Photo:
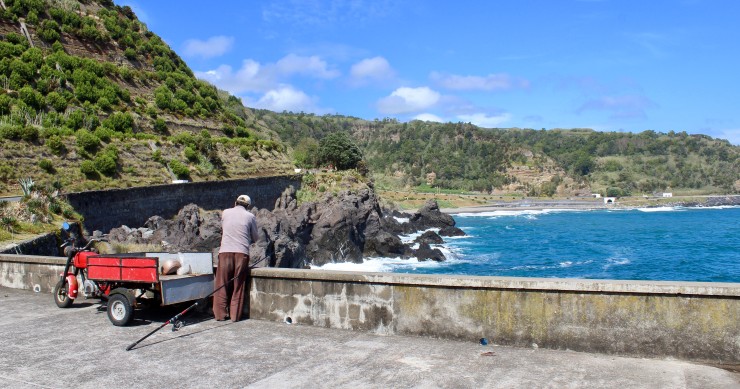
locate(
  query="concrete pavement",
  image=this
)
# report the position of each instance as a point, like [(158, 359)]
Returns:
[(42, 346)]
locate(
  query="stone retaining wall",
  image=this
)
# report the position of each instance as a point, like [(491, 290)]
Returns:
[(107, 209), (46, 244)]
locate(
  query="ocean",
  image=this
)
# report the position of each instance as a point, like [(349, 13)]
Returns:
[(666, 243)]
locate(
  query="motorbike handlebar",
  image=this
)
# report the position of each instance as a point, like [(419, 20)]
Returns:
[(71, 241)]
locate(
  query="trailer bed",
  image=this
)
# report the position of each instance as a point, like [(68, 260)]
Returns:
[(133, 270)]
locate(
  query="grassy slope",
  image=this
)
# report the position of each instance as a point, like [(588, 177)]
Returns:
[(240, 145)]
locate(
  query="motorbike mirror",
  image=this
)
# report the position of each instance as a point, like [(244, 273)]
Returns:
[(65, 226)]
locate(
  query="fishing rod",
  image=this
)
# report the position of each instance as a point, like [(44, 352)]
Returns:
[(176, 319)]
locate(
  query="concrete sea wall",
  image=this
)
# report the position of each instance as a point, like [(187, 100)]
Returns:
[(30, 272), (685, 320), (107, 209)]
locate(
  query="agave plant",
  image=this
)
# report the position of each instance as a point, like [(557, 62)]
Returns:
[(27, 185), (8, 223)]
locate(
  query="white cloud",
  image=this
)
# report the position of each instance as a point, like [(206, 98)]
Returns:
[(251, 77), (429, 117), (408, 100), (491, 82), (256, 77), (312, 66), (376, 68), (285, 98), (212, 47), (487, 121)]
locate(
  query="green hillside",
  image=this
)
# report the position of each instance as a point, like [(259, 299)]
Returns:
[(532, 162), (90, 98)]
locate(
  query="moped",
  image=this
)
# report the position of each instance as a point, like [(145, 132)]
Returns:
[(67, 289)]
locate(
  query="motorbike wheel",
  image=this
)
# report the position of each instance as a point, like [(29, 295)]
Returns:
[(61, 295), (120, 311)]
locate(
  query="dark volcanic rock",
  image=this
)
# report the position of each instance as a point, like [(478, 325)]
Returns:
[(429, 237), (191, 230), (425, 252), (429, 216), (451, 231), (342, 227), (722, 200)]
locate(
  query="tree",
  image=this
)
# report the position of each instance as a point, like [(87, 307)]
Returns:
[(305, 153), (339, 150)]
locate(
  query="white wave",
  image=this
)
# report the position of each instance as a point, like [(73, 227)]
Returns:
[(458, 237), (611, 262), (381, 265), (526, 212), (571, 263), (411, 237), (401, 219), (661, 209)]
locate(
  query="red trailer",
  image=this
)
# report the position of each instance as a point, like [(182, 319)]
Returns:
[(128, 280)]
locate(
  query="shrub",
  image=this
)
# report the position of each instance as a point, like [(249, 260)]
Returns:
[(104, 103), (31, 97), (46, 165), (5, 103), (87, 140), (88, 168), (228, 130), (7, 172), (191, 154), (120, 122), (163, 97), (245, 151), (160, 126), (49, 31), (56, 101), (130, 53), (10, 131), (30, 134), (104, 134), (179, 169), (106, 164), (55, 145), (157, 156)]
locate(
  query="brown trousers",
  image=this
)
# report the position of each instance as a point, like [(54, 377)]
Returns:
[(229, 300)]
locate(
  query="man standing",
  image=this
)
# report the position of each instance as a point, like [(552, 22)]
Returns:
[(239, 231)]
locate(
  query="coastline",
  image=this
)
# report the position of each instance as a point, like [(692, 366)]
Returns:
[(595, 204)]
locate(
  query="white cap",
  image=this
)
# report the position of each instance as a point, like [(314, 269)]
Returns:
[(244, 200)]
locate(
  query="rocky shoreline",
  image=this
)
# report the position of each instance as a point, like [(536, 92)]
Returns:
[(343, 227)]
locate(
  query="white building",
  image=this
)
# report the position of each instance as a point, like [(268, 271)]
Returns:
[(667, 194)]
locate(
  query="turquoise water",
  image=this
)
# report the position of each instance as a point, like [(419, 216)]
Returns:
[(687, 244)]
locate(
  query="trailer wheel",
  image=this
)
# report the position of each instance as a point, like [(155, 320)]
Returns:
[(61, 295), (120, 311)]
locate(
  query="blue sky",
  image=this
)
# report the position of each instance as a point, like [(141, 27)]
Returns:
[(610, 65)]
